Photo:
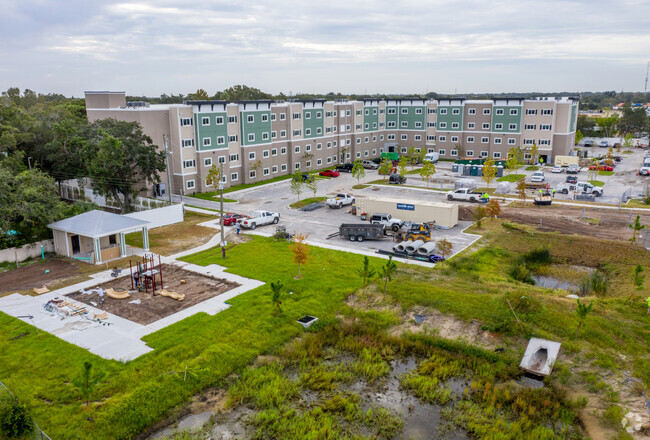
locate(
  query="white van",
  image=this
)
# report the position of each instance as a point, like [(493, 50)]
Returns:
[(432, 157)]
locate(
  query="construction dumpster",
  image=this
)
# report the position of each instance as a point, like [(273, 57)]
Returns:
[(442, 213)]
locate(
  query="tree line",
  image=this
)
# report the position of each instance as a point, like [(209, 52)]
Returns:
[(633, 120)]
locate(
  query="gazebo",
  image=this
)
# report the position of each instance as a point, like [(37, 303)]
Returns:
[(96, 236)]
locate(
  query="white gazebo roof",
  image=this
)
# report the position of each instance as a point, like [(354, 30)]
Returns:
[(95, 224)]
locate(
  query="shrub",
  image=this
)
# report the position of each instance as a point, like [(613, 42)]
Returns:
[(15, 422), (595, 282), (539, 256), (520, 272)]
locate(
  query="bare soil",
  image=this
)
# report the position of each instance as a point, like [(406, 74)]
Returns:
[(34, 275), (197, 288), (609, 224)]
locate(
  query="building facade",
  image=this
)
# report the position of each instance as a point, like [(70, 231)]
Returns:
[(259, 140)]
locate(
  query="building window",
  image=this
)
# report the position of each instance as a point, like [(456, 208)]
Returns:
[(251, 155), (329, 160), (189, 163), (454, 138), (497, 140), (527, 141), (205, 121), (431, 124), (358, 140), (454, 152), (499, 111), (367, 112), (319, 130), (308, 147), (512, 126), (455, 125), (358, 154), (283, 167), (366, 153), (374, 138), (252, 174), (405, 111), (512, 141), (319, 115), (265, 117), (189, 184), (296, 116), (274, 169), (469, 153), (366, 139), (471, 111), (222, 159), (367, 126), (307, 115), (296, 149), (470, 139), (418, 124), (392, 111), (418, 111), (234, 158), (513, 112), (296, 165), (251, 137), (404, 124), (374, 151), (319, 162), (207, 162), (544, 142), (188, 142), (273, 116), (265, 172), (221, 140), (431, 138), (547, 112), (381, 137), (545, 126), (496, 155), (531, 111), (265, 153), (283, 116), (486, 111), (283, 133), (530, 126), (442, 138), (391, 124), (348, 127), (250, 118), (329, 145), (442, 152), (455, 111), (498, 126), (485, 140), (471, 125), (484, 154), (219, 120), (442, 125), (186, 121), (207, 142), (296, 132), (390, 137), (486, 126), (232, 138), (527, 156), (232, 119), (417, 137), (274, 134), (307, 131), (405, 137), (283, 150)]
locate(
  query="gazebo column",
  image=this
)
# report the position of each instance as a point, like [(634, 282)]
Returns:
[(98, 250), (122, 245), (145, 238)]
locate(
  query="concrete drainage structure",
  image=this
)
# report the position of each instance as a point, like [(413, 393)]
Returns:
[(413, 246), (400, 247), (307, 321), (427, 248)]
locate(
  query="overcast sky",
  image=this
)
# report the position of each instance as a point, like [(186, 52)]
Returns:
[(352, 46)]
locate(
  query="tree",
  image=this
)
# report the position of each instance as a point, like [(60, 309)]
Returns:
[(358, 172), (422, 153), (307, 158), (444, 247), (201, 95), (300, 250), (412, 156), (242, 93), (119, 158), (636, 227), (637, 277), (633, 120), (15, 422), (493, 208), (297, 184), (387, 272), (521, 189), (478, 215), (582, 311), (312, 182), (386, 167), (401, 167), (87, 381), (533, 153), (607, 126), (366, 272), (460, 150), (511, 159), (276, 296), (578, 137), (627, 143), (489, 171), (214, 175), (256, 166), (427, 171)]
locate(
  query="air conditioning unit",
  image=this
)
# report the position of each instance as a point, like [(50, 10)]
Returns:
[(160, 190)]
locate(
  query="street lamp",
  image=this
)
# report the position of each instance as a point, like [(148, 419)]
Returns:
[(223, 241)]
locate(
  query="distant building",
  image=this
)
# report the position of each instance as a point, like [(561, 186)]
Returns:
[(259, 140)]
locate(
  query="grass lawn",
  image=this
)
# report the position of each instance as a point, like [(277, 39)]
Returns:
[(606, 173), (597, 183), (171, 239), (532, 168), (362, 186), (511, 178), (414, 171), (634, 203), (304, 202), (212, 196)]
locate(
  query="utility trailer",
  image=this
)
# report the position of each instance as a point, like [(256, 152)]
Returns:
[(361, 231)]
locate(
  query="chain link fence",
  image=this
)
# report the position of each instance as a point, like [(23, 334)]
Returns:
[(37, 433)]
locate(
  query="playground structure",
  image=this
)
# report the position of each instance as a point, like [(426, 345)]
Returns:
[(147, 275)]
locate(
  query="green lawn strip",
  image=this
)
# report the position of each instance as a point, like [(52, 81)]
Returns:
[(141, 392), (597, 183), (362, 186), (304, 202), (212, 196), (634, 203), (511, 178), (415, 171), (606, 173), (532, 168)]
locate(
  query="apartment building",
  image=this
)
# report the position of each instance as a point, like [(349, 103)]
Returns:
[(259, 140)]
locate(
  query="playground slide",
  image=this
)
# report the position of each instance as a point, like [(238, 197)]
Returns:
[(173, 295), (117, 295)]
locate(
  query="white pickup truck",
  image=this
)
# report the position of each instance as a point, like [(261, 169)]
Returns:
[(580, 188), (259, 218), (340, 200), (466, 194)]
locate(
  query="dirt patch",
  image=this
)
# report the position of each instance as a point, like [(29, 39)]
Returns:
[(609, 224), (34, 275), (197, 288), (465, 212)]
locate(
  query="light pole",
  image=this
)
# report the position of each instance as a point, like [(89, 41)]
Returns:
[(223, 242)]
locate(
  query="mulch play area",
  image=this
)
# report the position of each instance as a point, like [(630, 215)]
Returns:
[(197, 288), (37, 274)]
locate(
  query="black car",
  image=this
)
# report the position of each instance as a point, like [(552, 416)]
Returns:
[(345, 167), (396, 178), (571, 179)]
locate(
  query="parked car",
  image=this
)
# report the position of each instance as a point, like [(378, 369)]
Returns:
[(589, 143), (466, 194), (557, 169), (345, 167), (340, 200), (581, 188), (573, 169), (259, 218), (571, 179), (603, 144), (329, 173), (537, 176), (601, 168), (388, 221), (369, 165), (230, 219), (644, 171), (396, 178)]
